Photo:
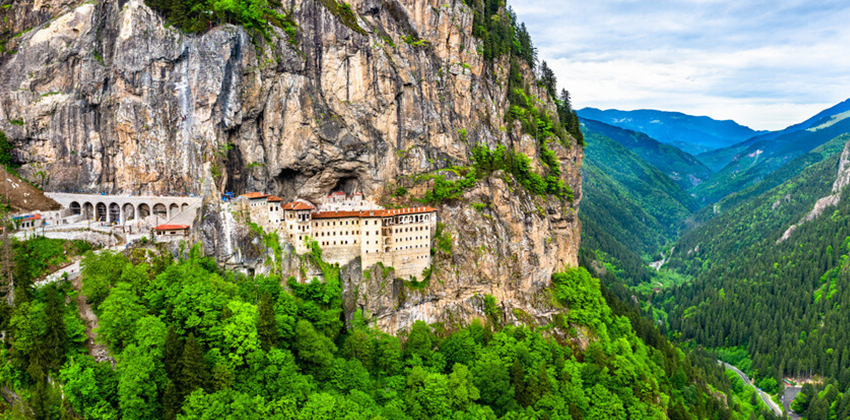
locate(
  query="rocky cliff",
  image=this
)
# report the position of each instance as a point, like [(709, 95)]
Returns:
[(105, 96)]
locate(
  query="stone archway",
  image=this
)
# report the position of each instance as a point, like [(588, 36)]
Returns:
[(159, 210), (144, 211), (75, 208), (100, 212), (129, 212), (114, 213), (88, 211), (184, 207), (173, 210)]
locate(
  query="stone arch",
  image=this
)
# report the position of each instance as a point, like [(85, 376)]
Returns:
[(129, 211), (159, 210), (100, 212), (114, 213), (184, 207), (144, 210), (88, 211), (75, 207), (173, 210)]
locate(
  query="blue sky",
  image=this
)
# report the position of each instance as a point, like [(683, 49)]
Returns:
[(764, 64)]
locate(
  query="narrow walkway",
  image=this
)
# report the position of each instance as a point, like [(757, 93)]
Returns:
[(99, 351)]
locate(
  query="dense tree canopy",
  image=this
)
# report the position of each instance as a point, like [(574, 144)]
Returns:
[(193, 342)]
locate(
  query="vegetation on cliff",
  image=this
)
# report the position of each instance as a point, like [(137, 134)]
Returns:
[(197, 16)]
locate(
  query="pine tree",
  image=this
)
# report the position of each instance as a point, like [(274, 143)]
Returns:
[(267, 324), (543, 385), (195, 372), (55, 340), (548, 80), (171, 402), (521, 391), (172, 355)]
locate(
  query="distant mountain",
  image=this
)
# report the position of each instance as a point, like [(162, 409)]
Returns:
[(689, 133), (629, 208), (758, 157), (718, 159), (683, 168)]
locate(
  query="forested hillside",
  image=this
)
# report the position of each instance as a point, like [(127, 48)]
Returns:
[(683, 168), (768, 277), (781, 302), (630, 208), (762, 156), (191, 341)]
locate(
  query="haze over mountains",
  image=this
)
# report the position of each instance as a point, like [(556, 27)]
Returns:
[(666, 140), (689, 133)]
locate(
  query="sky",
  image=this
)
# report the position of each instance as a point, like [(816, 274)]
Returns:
[(765, 64)]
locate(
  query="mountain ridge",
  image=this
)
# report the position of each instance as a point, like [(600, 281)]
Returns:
[(685, 169), (691, 134)]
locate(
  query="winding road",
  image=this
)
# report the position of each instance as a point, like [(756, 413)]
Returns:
[(764, 397)]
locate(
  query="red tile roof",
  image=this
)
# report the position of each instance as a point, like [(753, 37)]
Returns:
[(337, 193), (334, 214), (297, 205), (274, 199), (171, 227), (254, 195), (371, 213)]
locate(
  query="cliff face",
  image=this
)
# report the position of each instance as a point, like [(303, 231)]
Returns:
[(103, 96)]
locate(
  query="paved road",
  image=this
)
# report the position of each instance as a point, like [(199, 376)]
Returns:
[(762, 394), (791, 393)]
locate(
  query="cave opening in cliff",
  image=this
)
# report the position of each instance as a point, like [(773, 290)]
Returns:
[(347, 184), (287, 182)]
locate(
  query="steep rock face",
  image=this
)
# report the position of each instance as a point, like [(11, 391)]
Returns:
[(106, 97), (842, 180)]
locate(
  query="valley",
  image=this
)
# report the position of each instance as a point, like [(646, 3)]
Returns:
[(768, 231), (391, 209)]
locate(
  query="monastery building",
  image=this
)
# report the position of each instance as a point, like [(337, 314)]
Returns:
[(347, 227)]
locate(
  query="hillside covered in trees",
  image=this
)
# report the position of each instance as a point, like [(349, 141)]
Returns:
[(187, 340)]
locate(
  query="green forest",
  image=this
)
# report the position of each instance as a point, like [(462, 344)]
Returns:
[(187, 340), (750, 278)]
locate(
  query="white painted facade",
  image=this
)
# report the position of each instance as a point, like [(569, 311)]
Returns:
[(347, 227)]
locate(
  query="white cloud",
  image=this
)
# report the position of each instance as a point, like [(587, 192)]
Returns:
[(766, 65)]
